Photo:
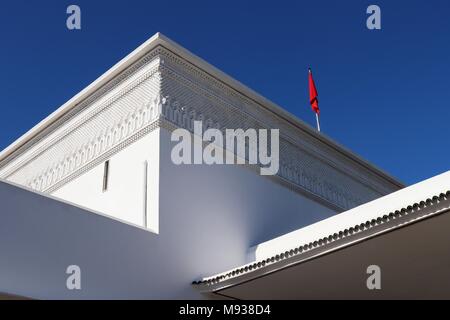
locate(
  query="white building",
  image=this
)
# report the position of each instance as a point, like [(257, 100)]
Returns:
[(93, 185)]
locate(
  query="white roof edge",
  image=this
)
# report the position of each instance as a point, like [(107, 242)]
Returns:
[(273, 107), (397, 200), (160, 39), (83, 94), (416, 203)]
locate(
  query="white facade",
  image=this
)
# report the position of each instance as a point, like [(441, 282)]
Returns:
[(126, 118), (133, 183)]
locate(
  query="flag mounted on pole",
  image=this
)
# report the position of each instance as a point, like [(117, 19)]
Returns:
[(313, 97)]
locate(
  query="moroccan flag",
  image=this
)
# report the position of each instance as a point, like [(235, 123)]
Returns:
[(313, 93)]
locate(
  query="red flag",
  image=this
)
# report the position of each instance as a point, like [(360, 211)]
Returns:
[(313, 93)]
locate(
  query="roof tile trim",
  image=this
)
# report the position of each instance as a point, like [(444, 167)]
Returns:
[(363, 227)]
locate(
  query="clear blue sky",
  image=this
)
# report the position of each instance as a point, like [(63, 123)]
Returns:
[(383, 94)]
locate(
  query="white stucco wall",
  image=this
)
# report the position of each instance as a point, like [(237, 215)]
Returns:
[(234, 207), (209, 216), (40, 237), (125, 197), (258, 206)]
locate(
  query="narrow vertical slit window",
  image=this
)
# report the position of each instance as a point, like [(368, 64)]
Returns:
[(145, 192), (105, 176)]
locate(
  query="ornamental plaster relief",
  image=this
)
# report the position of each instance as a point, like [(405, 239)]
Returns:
[(120, 86), (306, 171), (216, 90), (76, 138), (296, 164), (162, 89)]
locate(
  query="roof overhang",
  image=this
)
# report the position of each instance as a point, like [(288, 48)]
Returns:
[(85, 93), (414, 262), (160, 40), (380, 232)]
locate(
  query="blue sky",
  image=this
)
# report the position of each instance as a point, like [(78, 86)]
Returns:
[(383, 94)]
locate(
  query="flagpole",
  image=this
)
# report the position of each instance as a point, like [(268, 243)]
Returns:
[(318, 122)]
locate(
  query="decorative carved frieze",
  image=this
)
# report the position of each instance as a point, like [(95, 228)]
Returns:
[(310, 178), (70, 144), (98, 146), (162, 88)]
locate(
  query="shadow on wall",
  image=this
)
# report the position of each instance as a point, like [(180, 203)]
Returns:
[(40, 237)]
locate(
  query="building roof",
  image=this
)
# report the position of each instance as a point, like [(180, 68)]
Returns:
[(160, 40), (396, 210)]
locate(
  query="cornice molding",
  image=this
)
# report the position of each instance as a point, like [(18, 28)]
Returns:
[(170, 126), (219, 93), (159, 41), (50, 139), (101, 147), (190, 94), (315, 177), (96, 160), (40, 139), (182, 115)]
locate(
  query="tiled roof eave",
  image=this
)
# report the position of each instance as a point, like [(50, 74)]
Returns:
[(343, 238)]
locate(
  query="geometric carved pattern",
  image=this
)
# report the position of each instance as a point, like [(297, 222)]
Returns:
[(316, 177), (104, 123), (184, 116), (162, 89), (97, 146)]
